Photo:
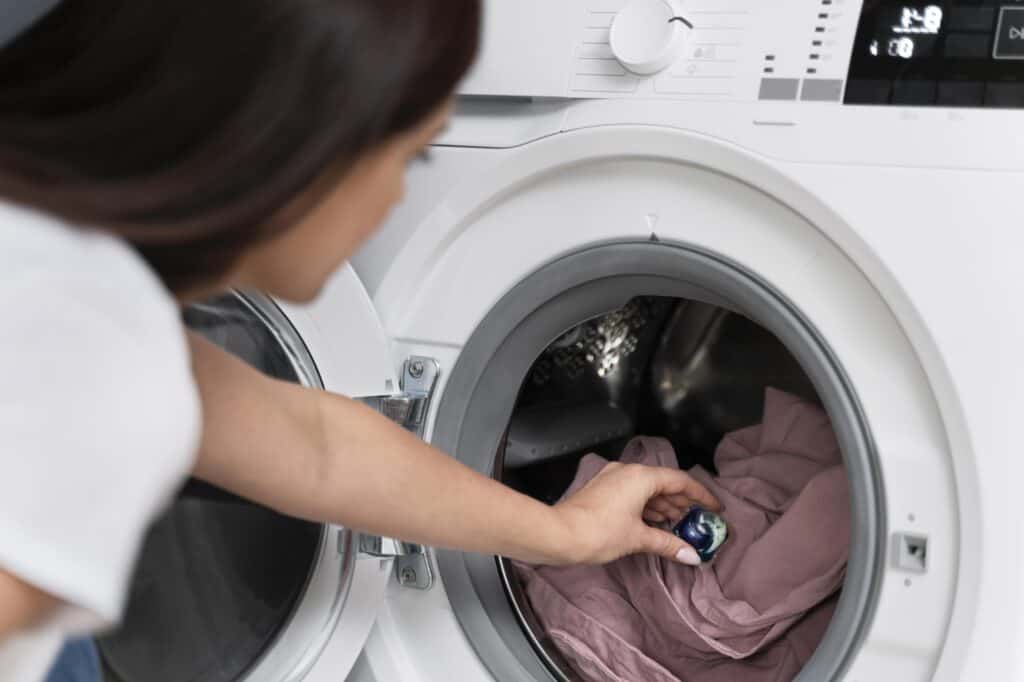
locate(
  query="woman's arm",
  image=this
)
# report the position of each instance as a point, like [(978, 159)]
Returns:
[(22, 604), (323, 457)]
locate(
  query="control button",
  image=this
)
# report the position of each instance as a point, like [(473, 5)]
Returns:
[(868, 91), (647, 35), (779, 88), (961, 94), (1009, 95), (1010, 34), (971, 19), (967, 46), (913, 92), (821, 90)]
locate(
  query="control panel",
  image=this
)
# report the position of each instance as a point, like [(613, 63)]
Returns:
[(721, 49), (876, 52), (874, 82)]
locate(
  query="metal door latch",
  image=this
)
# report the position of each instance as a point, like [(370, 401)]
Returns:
[(412, 565), (409, 409)]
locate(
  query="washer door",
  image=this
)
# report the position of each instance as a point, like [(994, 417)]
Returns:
[(229, 590)]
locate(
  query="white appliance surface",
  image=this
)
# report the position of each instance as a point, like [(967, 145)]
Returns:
[(892, 228)]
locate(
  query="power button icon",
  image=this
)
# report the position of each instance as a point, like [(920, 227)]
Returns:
[(1009, 42)]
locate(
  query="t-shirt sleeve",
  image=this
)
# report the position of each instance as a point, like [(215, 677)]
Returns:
[(98, 427)]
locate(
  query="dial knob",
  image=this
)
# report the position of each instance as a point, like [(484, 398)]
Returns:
[(647, 35)]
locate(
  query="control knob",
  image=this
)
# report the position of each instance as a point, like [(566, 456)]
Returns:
[(647, 35)]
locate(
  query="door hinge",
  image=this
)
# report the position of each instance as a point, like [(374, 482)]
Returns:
[(409, 408)]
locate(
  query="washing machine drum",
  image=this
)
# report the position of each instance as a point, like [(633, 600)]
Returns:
[(218, 577)]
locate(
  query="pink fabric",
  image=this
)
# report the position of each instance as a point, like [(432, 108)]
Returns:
[(759, 609)]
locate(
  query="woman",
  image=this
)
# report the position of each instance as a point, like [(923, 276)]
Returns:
[(155, 153)]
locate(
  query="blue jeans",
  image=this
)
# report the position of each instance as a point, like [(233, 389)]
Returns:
[(78, 661)]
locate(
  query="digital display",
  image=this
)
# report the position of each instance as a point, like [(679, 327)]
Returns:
[(955, 53), (907, 31)]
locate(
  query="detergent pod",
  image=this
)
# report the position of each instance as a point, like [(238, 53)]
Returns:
[(703, 530)]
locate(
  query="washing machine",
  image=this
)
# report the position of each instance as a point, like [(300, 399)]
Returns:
[(642, 215)]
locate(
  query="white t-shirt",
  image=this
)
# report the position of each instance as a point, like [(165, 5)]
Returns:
[(99, 421)]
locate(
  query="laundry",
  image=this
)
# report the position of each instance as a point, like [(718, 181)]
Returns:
[(759, 609)]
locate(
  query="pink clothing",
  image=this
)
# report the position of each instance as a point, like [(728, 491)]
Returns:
[(759, 609)]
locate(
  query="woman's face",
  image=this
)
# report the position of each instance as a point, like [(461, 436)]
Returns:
[(296, 264)]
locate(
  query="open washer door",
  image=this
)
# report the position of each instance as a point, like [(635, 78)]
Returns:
[(342, 331), (227, 590)]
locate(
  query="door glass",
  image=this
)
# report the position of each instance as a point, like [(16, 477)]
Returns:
[(218, 577)]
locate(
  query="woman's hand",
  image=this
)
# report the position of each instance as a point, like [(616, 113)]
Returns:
[(606, 518)]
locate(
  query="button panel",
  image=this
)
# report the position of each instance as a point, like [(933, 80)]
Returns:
[(967, 46), (821, 90), (1010, 34), (779, 88), (960, 94), (868, 91), (1004, 95), (914, 92), (950, 53), (971, 19)]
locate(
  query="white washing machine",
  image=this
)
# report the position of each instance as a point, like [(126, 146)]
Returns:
[(818, 184)]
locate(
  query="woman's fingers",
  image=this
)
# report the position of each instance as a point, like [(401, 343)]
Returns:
[(680, 485), (666, 508), (652, 516), (669, 507), (680, 501), (665, 544)]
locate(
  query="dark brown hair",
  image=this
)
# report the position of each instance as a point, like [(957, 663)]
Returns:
[(187, 125)]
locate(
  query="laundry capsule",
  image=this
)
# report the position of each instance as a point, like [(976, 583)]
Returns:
[(703, 530)]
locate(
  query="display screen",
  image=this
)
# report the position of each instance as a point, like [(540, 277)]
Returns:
[(938, 53), (907, 31)]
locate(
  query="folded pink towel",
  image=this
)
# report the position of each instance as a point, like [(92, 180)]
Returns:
[(759, 609)]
